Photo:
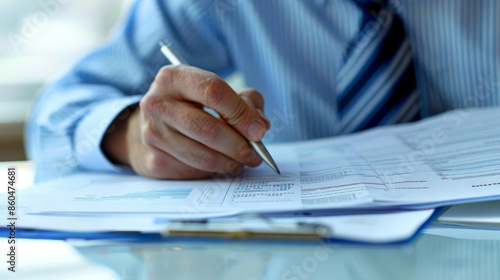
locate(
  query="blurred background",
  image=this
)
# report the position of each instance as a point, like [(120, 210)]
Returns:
[(40, 40)]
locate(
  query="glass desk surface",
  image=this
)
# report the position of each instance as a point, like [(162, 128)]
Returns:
[(474, 256)]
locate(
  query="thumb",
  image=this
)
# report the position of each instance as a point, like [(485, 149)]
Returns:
[(255, 100)]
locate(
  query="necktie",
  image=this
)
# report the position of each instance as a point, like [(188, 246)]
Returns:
[(376, 84)]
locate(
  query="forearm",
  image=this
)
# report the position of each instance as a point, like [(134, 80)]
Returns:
[(70, 119)]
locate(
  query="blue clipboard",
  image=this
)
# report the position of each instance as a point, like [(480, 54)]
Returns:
[(223, 238)]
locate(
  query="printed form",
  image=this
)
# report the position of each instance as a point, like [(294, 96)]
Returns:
[(452, 157)]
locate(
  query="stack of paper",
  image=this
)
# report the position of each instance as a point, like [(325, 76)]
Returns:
[(448, 159), (474, 215)]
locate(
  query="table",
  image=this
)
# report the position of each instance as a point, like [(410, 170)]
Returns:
[(436, 254)]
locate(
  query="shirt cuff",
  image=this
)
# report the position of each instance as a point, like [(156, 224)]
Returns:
[(91, 129)]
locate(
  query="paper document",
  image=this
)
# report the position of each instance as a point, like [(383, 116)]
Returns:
[(446, 159), (454, 156), (370, 228)]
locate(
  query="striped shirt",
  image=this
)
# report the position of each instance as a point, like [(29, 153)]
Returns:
[(291, 51)]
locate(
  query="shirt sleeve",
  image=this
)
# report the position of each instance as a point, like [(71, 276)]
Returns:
[(70, 117)]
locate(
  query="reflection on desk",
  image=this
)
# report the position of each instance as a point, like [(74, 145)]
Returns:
[(430, 257)]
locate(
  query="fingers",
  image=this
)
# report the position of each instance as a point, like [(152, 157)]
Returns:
[(195, 154), (208, 89), (155, 163), (204, 134)]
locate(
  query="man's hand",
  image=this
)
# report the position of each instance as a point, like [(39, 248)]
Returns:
[(170, 136)]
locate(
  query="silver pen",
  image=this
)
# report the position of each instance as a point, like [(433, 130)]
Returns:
[(259, 148)]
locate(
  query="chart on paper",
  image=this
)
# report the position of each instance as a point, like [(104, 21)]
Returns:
[(154, 194), (259, 187)]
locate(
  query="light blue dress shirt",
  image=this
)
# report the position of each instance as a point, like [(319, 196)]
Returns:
[(291, 51)]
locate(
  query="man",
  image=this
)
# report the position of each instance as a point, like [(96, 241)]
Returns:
[(323, 67)]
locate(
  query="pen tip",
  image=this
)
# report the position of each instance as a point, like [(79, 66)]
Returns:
[(276, 169)]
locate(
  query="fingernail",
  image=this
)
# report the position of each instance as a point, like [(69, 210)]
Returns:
[(256, 131), (261, 113)]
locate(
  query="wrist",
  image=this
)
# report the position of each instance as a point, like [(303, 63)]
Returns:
[(115, 140)]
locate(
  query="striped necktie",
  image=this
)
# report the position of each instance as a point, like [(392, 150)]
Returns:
[(376, 84)]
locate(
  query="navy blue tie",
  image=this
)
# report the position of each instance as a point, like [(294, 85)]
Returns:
[(376, 85)]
